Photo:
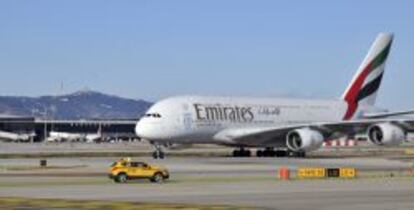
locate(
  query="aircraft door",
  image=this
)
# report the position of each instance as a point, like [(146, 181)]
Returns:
[(187, 121)]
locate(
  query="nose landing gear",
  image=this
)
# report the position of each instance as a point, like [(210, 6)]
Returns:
[(158, 153)]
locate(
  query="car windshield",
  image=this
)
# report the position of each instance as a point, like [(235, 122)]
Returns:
[(116, 163), (137, 164)]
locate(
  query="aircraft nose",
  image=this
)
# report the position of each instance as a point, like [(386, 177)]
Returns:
[(140, 129), (147, 130)]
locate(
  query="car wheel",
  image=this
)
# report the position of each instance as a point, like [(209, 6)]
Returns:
[(158, 178), (121, 178)]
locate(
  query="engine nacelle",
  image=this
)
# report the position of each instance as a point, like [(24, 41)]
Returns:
[(386, 134), (304, 139)]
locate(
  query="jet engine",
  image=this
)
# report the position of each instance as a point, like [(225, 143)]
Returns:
[(304, 139), (385, 134)]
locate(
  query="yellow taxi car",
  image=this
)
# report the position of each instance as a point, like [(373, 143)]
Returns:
[(123, 170)]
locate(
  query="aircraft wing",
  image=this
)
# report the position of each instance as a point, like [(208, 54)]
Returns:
[(276, 136), (387, 114)]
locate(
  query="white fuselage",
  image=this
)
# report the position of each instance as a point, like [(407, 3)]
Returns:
[(197, 119), (66, 136), (10, 136), (225, 120)]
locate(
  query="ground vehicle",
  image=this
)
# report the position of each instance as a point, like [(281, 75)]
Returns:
[(125, 169)]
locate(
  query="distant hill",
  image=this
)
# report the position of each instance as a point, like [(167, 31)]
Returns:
[(79, 105)]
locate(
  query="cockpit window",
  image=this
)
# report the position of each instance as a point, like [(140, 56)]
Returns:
[(152, 115)]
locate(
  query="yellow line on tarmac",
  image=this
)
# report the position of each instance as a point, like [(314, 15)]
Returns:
[(409, 151)]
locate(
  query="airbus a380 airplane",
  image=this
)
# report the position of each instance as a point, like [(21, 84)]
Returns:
[(291, 126)]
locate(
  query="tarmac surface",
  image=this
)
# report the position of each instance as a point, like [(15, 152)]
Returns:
[(384, 183)]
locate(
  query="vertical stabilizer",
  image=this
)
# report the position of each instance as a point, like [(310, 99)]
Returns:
[(365, 84)]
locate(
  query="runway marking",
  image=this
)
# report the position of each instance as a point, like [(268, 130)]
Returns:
[(38, 168), (26, 203)]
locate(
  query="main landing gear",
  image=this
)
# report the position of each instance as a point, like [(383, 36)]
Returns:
[(241, 152), (270, 152), (300, 154), (267, 152)]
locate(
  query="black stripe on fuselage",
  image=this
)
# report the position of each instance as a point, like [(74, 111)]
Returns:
[(370, 88)]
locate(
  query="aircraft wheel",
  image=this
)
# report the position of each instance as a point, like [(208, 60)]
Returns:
[(247, 153), (280, 153), (302, 154), (158, 154), (268, 152), (299, 154), (259, 153), (241, 153)]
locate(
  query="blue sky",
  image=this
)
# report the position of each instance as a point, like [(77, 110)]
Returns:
[(154, 49)]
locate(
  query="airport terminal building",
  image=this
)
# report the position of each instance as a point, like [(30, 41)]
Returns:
[(16, 128)]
